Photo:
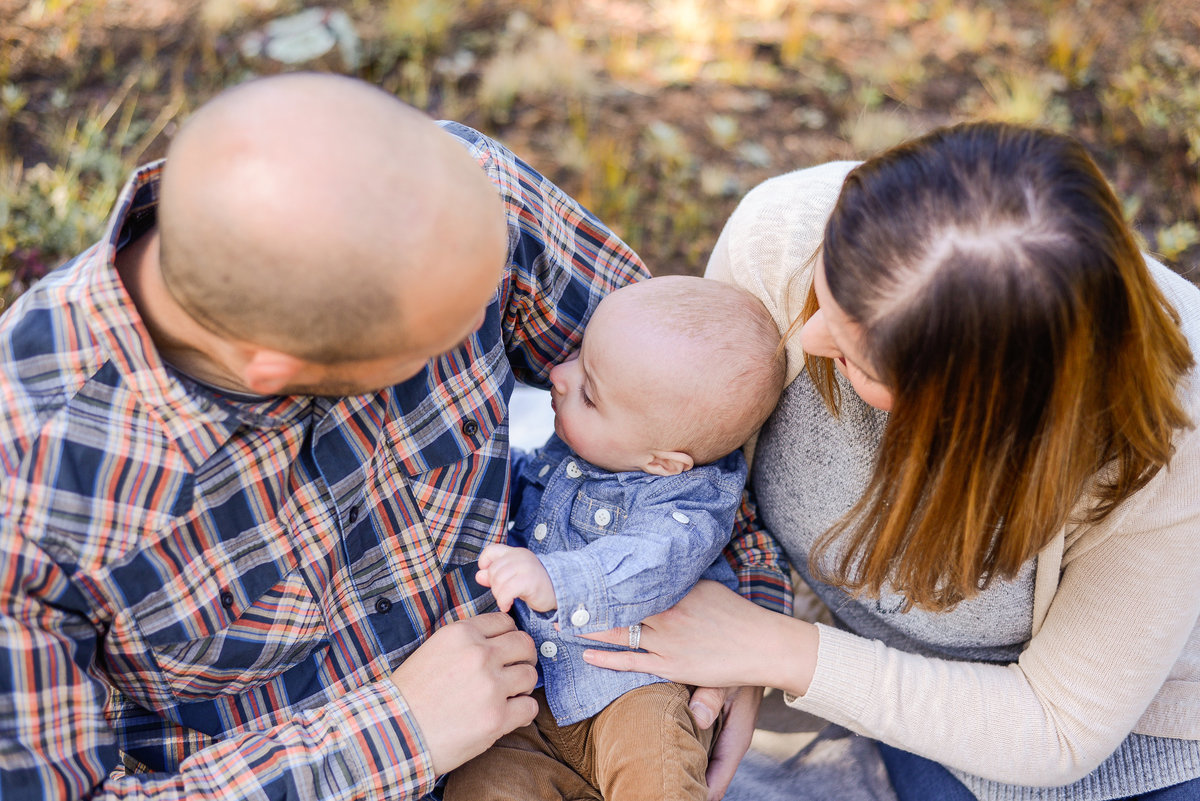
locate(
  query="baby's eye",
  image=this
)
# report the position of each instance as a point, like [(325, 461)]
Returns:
[(586, 400)]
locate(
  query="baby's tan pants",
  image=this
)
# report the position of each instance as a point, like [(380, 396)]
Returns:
[(645, 746)]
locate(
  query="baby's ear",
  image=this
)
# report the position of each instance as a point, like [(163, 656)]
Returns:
[(668, 463)]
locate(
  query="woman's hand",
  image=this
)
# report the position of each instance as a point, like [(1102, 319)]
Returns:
[(740, 706), (716, 638)]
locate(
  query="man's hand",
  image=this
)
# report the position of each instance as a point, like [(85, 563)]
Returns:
[(468, 685), (516, 573)]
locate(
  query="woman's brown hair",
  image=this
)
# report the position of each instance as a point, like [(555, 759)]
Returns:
[(1032, 360)]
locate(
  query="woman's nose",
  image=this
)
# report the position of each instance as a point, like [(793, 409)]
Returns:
[(815, 339)]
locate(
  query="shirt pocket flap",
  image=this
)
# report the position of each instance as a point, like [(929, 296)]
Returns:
[(451, 410), (280, 628), (596, 517)]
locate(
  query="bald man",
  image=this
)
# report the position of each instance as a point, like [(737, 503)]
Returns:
[(254, 441)]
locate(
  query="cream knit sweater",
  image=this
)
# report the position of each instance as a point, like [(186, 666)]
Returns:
[(1115, 646)]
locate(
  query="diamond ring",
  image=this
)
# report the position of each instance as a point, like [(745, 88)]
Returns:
[(635, 635)]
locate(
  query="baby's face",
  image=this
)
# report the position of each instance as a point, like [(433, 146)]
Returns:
[(608, 396)]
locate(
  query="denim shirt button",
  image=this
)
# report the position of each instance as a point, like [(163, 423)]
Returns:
[(602, 517), (680, 517), (549, 649), (580, 617), (539, 532), (545, 469), (573, 470)]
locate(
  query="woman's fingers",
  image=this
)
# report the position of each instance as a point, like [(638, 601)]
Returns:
[(741, 713), (617, 636), (624, 660), (707, 703)]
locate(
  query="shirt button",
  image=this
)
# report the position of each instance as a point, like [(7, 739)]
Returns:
[(470, 428), (680, 517), (226, 599), (602, 517), (549, 649), (383, 606), (580, 617), (353, 515), (573, 470), (539, 532), (545, 469)]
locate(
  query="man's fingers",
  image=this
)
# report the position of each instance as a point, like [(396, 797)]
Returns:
[(519, 679), (519, 711), (515, 647), (491, 624)]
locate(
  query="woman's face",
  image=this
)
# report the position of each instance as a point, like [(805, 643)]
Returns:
[(831, 334)]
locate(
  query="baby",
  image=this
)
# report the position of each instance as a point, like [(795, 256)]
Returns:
[(616, 518)]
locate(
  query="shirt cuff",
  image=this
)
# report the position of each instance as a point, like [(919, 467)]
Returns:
[(377, 725), (580, 590), (767, 587)]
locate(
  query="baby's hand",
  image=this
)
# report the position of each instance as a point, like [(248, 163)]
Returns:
[(516, 573)]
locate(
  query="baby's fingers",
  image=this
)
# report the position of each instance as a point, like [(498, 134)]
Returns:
[(483, 577), (491, 553)]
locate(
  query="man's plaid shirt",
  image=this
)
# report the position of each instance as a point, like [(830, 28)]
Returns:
[(214, 589)]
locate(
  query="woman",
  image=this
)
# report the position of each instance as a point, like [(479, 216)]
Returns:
[(986, 466)]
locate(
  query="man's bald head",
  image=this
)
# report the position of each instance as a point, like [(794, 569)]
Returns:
[(321, 217)]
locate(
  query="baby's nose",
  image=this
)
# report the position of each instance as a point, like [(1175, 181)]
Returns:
[(557, 382)]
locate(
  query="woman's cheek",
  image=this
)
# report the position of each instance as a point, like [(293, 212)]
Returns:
[(873, 394)]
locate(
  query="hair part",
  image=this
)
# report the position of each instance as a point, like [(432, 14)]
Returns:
[(1032, 359)]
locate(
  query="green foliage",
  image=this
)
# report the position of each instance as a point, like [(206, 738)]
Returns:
[(54, 209), (1175, 239)]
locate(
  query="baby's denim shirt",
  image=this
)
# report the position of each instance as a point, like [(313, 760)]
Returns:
[(619, 547)]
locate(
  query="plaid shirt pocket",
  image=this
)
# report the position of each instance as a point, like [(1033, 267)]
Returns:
[(282, 627)]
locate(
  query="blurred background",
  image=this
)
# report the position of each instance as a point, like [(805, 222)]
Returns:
[(658, 115)]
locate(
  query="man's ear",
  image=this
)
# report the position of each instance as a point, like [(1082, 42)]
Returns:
[(668, 463), (268, 372)]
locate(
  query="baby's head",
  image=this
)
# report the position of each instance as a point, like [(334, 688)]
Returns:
[(673, 372)]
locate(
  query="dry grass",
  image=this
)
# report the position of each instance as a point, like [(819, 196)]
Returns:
[(658, 115)]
